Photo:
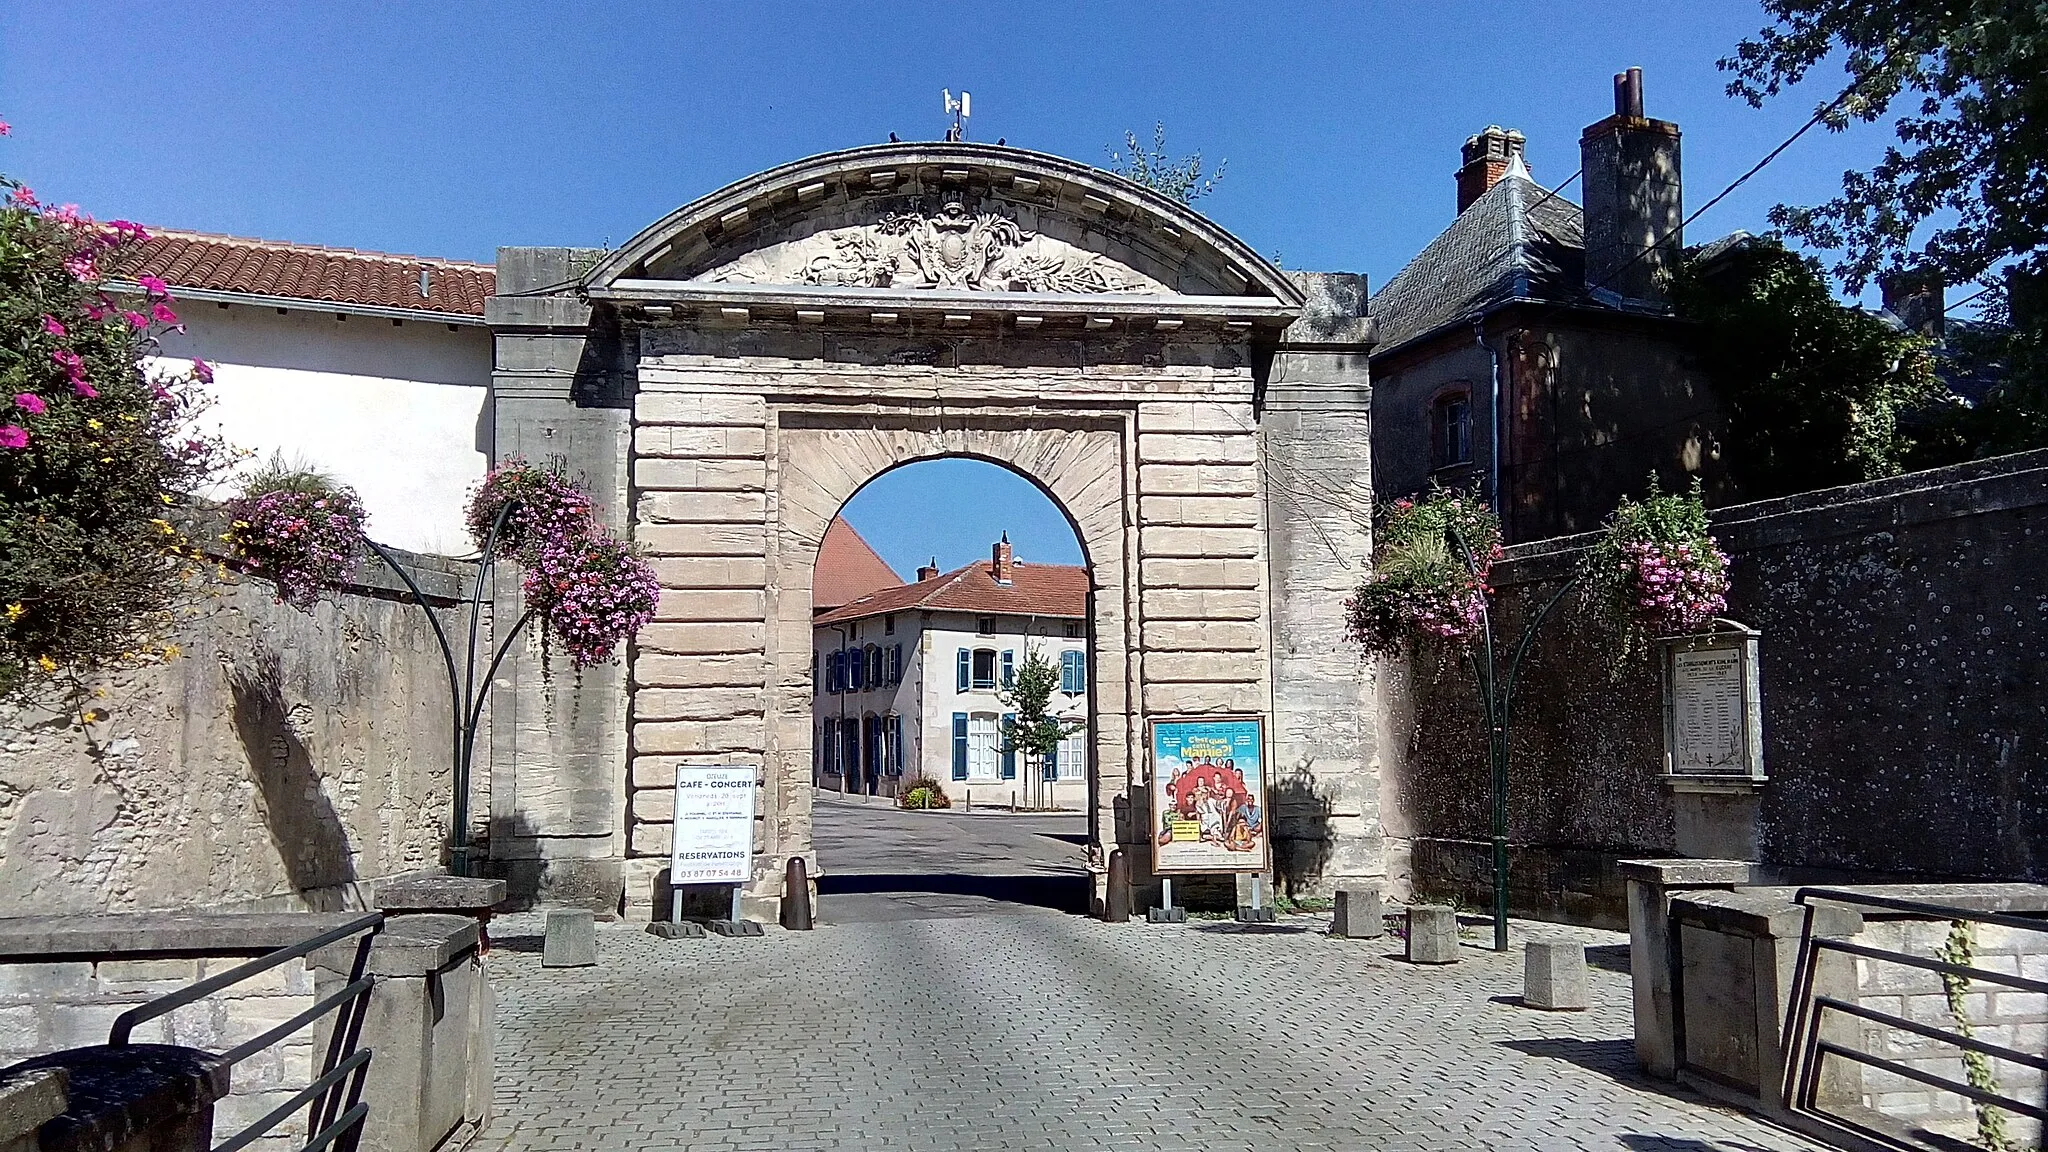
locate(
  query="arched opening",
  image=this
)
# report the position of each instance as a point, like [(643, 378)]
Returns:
[(950, 643)]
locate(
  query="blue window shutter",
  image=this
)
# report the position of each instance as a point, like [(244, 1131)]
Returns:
[(896, 664), (1009, 748), (965, 669), (959, 745), (1009, 668), (1067, 672), (898, 735), (1080, 672)]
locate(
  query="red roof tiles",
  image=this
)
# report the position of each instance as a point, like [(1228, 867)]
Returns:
[(847, 568), (199, 260), (1058, 590)]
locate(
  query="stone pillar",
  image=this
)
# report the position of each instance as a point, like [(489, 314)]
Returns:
[(1651, 886), (429, 1024), (1739, 957), (561, 393), (1314, 410)]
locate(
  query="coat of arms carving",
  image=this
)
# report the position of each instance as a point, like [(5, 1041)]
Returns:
[(951, 248)]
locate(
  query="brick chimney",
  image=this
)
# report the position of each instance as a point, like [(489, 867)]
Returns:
[(1633, 201), (1918, 299), (1004, 566), (928, 571), (1487, 158)]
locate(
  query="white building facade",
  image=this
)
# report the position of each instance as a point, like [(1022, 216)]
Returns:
[(912, 681)]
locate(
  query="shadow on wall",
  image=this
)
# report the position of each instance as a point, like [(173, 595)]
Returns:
[(1302, 835), (311, 841)]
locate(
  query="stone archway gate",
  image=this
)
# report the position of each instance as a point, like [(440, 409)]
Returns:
[(728, 378)]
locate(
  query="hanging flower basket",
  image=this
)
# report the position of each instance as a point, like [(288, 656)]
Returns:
[(593, 592), (546, 508), (300, 529), (1430, 564), (1656, 571)]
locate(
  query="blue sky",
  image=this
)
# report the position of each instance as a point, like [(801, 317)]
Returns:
[(450, 128)]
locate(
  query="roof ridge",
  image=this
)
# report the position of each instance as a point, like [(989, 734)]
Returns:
[(297, 246)]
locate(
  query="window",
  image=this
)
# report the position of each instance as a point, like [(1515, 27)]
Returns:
[(874, 662), (981, 745), (1073, 630), (896, 664), (959, 745), (835, 672), (823, 758), (985, 625), (984, 668), (1009, 668), (1451, 429), (1073, 672), (856, 671), (889, 624), (849, 747), (962, 677), (892, 744), (1071, 759)]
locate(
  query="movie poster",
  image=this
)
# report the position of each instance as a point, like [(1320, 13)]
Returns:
[(1209, 795)]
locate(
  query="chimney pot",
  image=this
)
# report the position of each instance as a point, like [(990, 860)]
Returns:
[(929, 571), (1634, 207), (1488, 155), (1003, 564), (1918, 298)]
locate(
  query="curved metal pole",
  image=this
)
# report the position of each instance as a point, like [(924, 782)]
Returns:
[(1522, 648), (447, 656), (458, 840), (505, 649)]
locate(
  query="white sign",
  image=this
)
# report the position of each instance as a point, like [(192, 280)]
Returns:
[(714, 828), (1707, 720)]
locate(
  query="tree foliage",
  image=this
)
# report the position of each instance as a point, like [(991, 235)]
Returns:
[(1816, 392), (97, 459), (1964, 191), (1181, 178), (1032, 727)]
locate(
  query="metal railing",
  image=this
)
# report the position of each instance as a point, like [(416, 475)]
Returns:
[(335, 1109), (1809, 1050)]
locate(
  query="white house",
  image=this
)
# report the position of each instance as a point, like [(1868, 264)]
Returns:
[(371, 367), (910, 680)]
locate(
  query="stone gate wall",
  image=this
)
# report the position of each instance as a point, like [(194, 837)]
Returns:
[(281, 761), (1905, 626)]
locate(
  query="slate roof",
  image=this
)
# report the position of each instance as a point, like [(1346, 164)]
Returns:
[(847, 569), (1516, 242), (201, 260), (1058, 590)]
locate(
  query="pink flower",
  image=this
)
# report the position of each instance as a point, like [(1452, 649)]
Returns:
[(54, 326), (81, 267), (6, 129), (68, 360), (135, 320), (203, 370), (30, 403), (161, 313), (84, 389), (153, 285), (97, 312), (128, 229), (12, 436), (23, 198)]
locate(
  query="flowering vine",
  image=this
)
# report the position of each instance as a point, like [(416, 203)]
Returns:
[(97, 457), (1656, 570), (1430, 564)]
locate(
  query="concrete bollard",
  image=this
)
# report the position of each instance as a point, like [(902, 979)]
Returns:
[(571, 941), (1432, 934), (796, 896), (1554, 975), (1359, 915)]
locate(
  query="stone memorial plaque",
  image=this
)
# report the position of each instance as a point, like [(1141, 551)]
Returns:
[(1712, 705)]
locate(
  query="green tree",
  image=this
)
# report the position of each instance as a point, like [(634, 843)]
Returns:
[(1032, 727), (1817, 393), (1180, 178), (97, 456), (1961, 193)]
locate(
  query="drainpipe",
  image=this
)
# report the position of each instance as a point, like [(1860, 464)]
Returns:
[(1493, 418)]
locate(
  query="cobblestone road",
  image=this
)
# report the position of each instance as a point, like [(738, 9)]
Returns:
[(1046, 1031)]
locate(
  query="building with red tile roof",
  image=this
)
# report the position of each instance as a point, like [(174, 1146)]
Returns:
[(848, 569), (206, 266)]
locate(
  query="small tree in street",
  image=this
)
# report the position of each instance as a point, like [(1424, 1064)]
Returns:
[(1033, 728)]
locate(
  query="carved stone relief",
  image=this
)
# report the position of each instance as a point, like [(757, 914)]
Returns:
[(950, 247)]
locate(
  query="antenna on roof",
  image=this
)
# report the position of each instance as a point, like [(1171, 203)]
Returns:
[(959, 110)]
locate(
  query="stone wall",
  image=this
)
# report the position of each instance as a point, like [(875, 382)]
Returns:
[(280, 760), (1903, 710)]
